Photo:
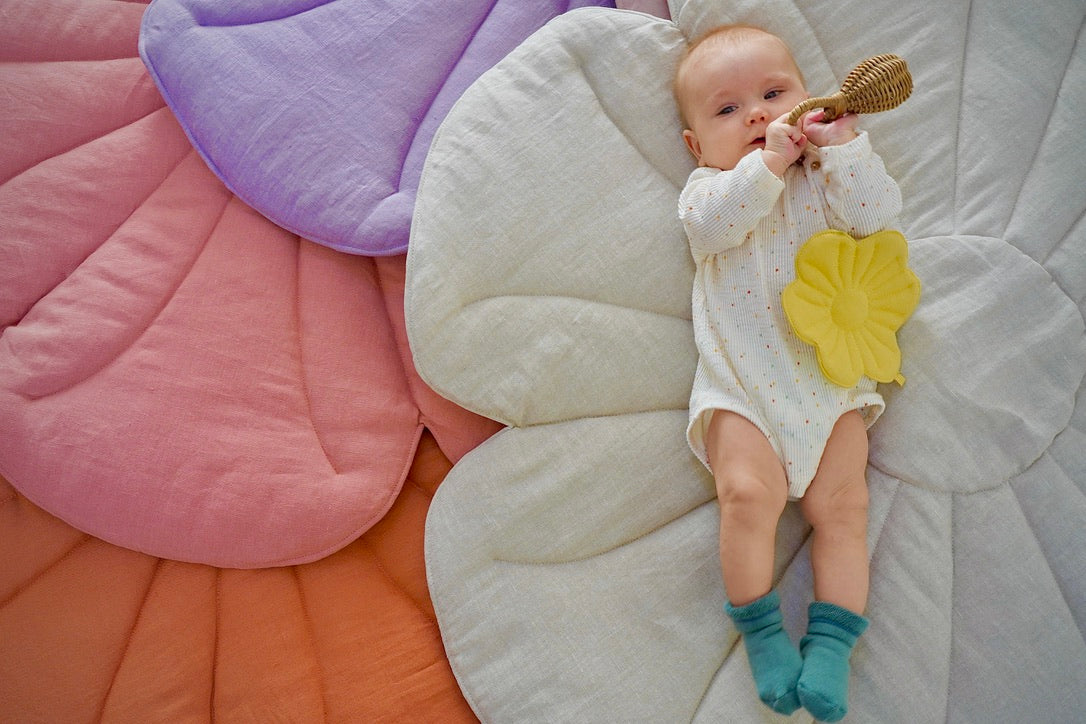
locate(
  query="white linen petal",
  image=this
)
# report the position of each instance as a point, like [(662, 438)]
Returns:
[(573, 559), (994, 343)]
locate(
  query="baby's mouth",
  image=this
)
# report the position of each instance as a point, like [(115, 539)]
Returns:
[(759, 141)]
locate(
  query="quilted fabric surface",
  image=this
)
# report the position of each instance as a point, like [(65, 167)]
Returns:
[(93, 632), (573, 557), (178, 375), (319, 113)]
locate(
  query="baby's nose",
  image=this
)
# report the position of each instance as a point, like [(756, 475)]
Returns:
[(757, 115)]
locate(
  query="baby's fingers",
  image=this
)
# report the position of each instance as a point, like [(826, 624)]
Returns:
[(782, 126), (783, 120)]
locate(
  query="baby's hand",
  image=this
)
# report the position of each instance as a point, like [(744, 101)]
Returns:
[(837, 132), (784, 143)]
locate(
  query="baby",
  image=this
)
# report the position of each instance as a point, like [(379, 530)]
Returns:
[(763, 418)]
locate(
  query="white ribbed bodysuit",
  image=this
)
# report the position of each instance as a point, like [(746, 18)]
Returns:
[(745, 227)]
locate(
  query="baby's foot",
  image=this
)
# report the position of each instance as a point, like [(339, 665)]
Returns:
[(831, 634), (774, 660)]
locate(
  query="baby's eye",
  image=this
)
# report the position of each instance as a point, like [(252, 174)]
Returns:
[(726, 110), (772, 94)]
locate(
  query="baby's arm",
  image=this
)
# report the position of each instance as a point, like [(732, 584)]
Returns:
[(718, 208), (861, 196)]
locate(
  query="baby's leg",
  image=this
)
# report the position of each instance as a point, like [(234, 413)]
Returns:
[(752, 490), (836, 507)]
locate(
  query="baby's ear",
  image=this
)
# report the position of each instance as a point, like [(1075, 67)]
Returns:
[(692, 144)]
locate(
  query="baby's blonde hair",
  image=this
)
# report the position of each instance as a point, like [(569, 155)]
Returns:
[(733, 32)]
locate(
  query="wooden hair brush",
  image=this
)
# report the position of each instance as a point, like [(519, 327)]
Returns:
[(877, 84)]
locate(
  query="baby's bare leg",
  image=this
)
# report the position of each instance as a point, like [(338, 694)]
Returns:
[(753, 490), (835, 505)]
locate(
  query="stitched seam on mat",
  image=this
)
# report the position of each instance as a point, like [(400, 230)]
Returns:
[(88, 141), (1059, 245), (913, 483), (248, 23), (573, 298), (420, 422), (312, 642), (99, 241), (215, 645), (728, 653), (951, 497), (889, 510), (382, 287), (395, 584), (303, 378), (165, 303), (1048, 125), (579, 61), (19, 590), (958, 125), (1041, 547), (366, 524), (578, 418), (953, 578), (128, 639), (404, 468), (418, 486)]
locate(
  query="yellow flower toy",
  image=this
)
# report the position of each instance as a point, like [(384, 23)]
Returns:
[(848, 300)]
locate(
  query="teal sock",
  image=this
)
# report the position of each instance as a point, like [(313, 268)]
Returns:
[(774, 660), (831, 634)]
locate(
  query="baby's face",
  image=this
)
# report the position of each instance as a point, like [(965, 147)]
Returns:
[(731, 89)]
